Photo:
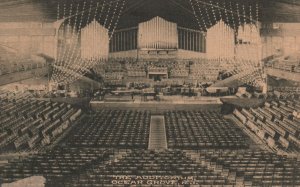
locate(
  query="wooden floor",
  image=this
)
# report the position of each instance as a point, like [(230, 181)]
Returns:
[(157, 137)]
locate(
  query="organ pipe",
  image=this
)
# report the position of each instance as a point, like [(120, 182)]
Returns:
[(191, 40), (124, 40), (158, 33), (220, 41), (94, 42)]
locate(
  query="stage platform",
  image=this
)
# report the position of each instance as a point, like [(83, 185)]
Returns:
[(168, 103)]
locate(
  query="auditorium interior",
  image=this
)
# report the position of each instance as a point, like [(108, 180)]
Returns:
[(149, 93)]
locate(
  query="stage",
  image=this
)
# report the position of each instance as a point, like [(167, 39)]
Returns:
[(165, 103), (222, 104)]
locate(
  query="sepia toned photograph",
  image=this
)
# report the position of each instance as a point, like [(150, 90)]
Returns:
[(142, 93)]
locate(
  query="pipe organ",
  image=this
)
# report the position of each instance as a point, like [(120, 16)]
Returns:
[(220, 41), (157, 33), (94, 42), (123, 40), (191, 40)]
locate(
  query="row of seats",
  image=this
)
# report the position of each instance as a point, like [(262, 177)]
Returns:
[(55, 165), (136, 73), (112, 66), (198, 69), (286, 65), (10, 62), (179, 72), (254, 167), (197, 129), (275, 123), (65, 166), (284, 92), (136, 70), (93, 154), (6, 96), (29, 124), (139, 85), (143, 163), (112, 128), (19, 67), (203, 69), (251, 77), (114, 75)]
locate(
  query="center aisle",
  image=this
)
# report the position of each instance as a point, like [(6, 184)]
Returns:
[(157, 137)]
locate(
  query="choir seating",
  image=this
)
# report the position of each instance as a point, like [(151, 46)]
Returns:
[(197, 69), (179, 70), (135, 70), (285, 92), (175, 73), (15, 67), (136, 73), (197, 129), (289, 63), (114, 75), (113, 70), (112, 128), (113, 66), (205, 70)]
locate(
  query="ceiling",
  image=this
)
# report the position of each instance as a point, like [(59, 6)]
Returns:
[(136, 11)]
